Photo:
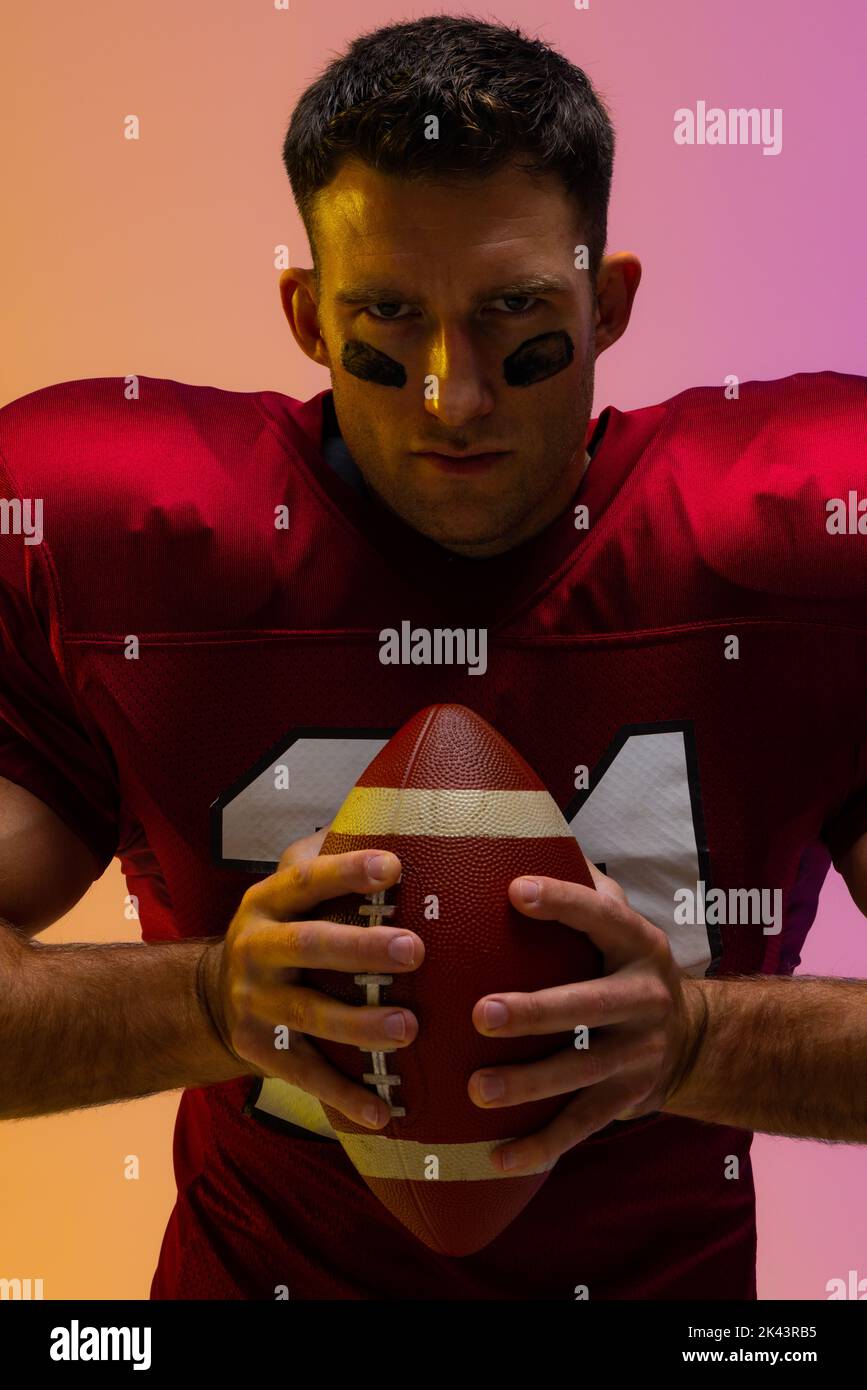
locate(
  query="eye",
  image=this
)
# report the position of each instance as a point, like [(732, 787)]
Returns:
[(512, 299), (386, 318)]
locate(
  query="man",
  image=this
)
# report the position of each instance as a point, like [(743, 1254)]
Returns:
[(675, 641)]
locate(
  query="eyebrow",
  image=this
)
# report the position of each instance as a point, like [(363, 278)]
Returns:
[(380, 292)]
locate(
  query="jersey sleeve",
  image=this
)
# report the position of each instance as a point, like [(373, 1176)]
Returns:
[(46, 744)]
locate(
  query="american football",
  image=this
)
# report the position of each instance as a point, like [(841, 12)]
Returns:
[(465, 814)]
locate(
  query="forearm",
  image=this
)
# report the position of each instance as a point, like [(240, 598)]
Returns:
[(778, 1055), (88, 1024)]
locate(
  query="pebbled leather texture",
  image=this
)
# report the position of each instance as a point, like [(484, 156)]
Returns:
[(448, 770)]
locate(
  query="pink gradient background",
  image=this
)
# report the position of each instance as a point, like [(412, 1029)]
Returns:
[(156, 257)]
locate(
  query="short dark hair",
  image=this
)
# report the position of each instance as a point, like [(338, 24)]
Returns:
[(500, 98)]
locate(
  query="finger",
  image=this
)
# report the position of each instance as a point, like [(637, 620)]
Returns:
[(603, 883), (302, 1010), (589, 1112), (570, 1070), (306, 848), (619, 932), (329, 946), (303, 885), (623, 997), (303, 1065)]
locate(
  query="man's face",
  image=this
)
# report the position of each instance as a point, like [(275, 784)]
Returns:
[(448, 280)]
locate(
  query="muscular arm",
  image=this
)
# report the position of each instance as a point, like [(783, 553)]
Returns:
[(87, 1024), (782, 1055)]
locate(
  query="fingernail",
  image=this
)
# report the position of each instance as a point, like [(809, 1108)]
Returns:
[(395, 1026), (371, 1115), (377, 866), (495, 1014), (491, 1087), (529, 890), (510, 1159), (402, 949)]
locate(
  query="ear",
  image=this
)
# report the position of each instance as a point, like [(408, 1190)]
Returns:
[(298, 297), (616, 287)]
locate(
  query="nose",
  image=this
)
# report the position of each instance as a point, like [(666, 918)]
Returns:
[(457, 389)]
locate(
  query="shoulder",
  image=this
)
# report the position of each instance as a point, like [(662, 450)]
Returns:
[(761, 475), (165, 486), (141, 454), (88, 433), (809, 409)]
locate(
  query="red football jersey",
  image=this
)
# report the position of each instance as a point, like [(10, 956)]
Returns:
[(680, 656)]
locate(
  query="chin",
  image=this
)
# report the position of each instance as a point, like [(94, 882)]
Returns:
[(447, 535), (473, 545)]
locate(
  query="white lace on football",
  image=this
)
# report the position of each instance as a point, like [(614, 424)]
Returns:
[(376, 913)]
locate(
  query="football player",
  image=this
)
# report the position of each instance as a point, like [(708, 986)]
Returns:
[(196, 584)]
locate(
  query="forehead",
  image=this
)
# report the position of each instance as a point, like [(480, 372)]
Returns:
[(366, 220)]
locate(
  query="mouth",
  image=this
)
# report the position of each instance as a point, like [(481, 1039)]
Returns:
[(463, 463)]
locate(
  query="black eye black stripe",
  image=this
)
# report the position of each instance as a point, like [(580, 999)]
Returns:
[(538, 358), (534, 360), (369, 364)]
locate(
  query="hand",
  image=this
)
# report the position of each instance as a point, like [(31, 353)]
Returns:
[(647, 1017), (251, 975)]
